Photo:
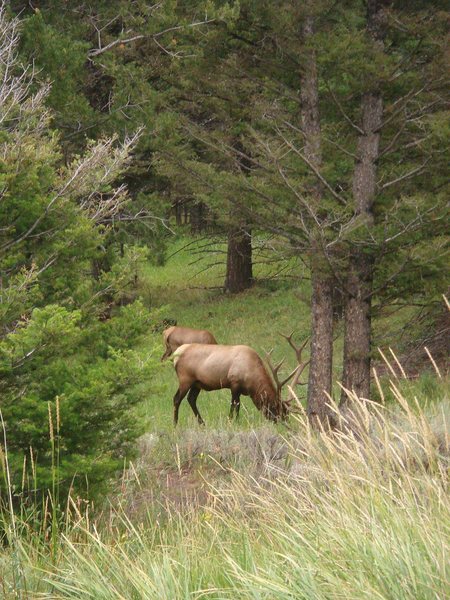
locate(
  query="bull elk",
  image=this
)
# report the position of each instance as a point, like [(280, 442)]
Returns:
[(174, 337), (238, 368)]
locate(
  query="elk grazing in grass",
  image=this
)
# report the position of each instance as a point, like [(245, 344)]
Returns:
[(175, 336), (238, 368)]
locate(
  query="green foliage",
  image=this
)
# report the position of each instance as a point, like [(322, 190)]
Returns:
[(110, 94), (219, 104), (93, 371), (237, 143), (63, 62), (69, 315)]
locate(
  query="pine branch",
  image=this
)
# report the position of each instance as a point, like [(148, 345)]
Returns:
[(341, 148), (342, 111), (317, 173)]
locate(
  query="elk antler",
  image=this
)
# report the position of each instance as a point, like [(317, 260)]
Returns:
[(298, 350), (296, 373), (273, 368), (301, 365), (298, 369)]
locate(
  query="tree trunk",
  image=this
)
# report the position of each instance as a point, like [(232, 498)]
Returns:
[(178, 209), (357, 323), (357, 317), (198, 221), (320, 370), (321, 357), (239, 274)]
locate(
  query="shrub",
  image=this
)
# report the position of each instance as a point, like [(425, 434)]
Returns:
[(86, 376)]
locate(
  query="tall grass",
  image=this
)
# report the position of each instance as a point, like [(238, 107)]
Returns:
[(359, 513)]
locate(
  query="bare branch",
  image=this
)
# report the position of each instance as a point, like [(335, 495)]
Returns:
[(406, 175), (341, 148), (101, 49), (391, 144), (98, 168), (343, 113), (319, 176)]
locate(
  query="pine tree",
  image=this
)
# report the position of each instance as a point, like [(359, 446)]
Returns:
[(65, 371)]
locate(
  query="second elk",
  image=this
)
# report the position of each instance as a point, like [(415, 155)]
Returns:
[(175, 336), (238, 368)]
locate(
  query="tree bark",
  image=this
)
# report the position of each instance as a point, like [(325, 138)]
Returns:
[(321, 357), (357, 316), (321, 365), (239, 274), (198, 221), (357, 323)]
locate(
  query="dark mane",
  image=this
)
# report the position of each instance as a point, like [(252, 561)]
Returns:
[(266, 392)]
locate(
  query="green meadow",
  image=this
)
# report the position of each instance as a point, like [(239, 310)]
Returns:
[(186, 289)]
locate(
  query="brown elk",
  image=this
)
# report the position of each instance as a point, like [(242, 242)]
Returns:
[(238, 368), (175, 336)]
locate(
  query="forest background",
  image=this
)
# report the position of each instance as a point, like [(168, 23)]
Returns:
[(245, 167)]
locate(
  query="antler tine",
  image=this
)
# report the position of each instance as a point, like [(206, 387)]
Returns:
[(273, 368), (289, 339), (297, 349), (297, 372), (298, 353)]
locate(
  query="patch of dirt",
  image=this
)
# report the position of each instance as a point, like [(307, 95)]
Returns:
[(194, 461)]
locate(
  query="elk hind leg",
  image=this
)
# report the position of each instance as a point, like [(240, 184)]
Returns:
[(180, 394), (166, 354), (192, 399)]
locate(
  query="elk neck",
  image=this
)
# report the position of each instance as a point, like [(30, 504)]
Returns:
[(265, 393)]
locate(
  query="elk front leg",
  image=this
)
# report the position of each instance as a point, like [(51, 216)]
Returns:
[(235, 404), (192, 399), (166, 354)]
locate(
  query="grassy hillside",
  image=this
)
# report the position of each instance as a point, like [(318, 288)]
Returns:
[(325, 517), (183, 290), (188, 290)]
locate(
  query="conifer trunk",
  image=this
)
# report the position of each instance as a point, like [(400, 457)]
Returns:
[(239, 274), (198, 220), (321, 357), (320, 372), (357, 323), (357, 316)]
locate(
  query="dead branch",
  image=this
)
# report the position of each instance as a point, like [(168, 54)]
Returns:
[(343, 113), (93, 52), (406, 175), (319, 176)]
